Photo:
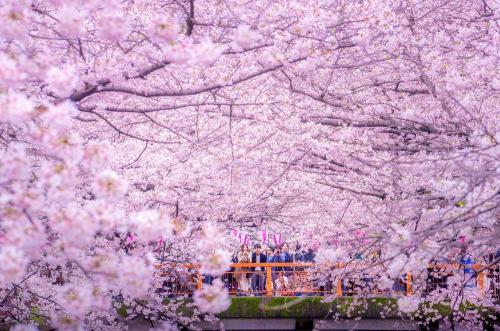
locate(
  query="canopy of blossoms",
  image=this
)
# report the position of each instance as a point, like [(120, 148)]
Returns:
[(131, 125)]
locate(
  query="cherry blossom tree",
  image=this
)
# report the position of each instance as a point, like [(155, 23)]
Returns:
[(133, 128)]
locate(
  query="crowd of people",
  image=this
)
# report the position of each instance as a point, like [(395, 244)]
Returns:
[(286, 280), (298, 280), (252, 280)]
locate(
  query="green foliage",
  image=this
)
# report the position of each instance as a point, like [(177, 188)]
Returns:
[(310, 307), (122, 311), (315, 307), (36, 317)]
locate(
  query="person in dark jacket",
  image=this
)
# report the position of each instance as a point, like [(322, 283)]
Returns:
[(229, 279), (258, 279), (309, 255), (298, 256), (269, 254), (272, 257), (284, 256)]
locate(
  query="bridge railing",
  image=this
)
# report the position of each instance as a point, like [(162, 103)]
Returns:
[(286, 279)]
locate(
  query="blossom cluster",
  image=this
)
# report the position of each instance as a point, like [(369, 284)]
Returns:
[(126, 126)]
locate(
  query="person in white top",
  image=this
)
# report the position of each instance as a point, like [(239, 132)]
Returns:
[(243, 256)]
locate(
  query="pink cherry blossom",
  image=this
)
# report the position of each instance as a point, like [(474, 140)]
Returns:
[(24, 327), (71, 21), (205, 53), (212, 298), (165, 326), (62, 81), (15, 107), (163, 28), (10, 73), (216, 264), (212, 235), (13, 266), (76, 300), (15, 15), (245, 37), (330, 255), (135, 276), (366, 130), (97, 154), (408, 304), (108, 184), (112, 25), (152, 224)]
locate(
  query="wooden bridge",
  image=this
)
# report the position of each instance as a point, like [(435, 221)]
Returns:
[(301, 305), (294, 279)]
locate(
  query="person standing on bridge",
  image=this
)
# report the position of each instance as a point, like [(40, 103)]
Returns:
[(243, 256), (284, 256), (258, 272), (308, 253), (298, 256), (282, 285), (269, 254)]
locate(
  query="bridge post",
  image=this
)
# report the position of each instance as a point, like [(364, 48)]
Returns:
[(199, 279), (339, 287), (339, 282), (269, 281), (409, 289), (480, 279)]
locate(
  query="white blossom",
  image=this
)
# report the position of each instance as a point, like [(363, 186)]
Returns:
[(205, 53), (165, 326), (408, 304), (212, 298), (329, 255), (62, 81), (216, 264), (245, 37), (211, 238), (152, 224), (24, 327), (399, 235), (15, 107), (110, 185), (163, 28), (397, 266), (135, 276), (71, 21), (14, 17), (112, 24), (76, 299), (13, 263)]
